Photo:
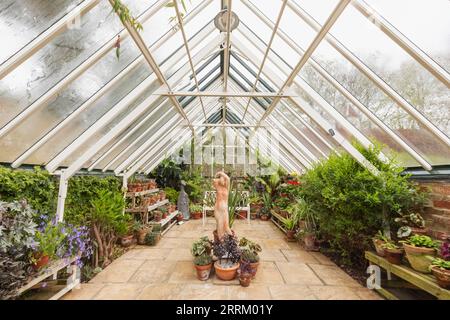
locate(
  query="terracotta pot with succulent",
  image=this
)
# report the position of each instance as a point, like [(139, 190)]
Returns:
[(228, 254), (440, 267), (250, 254), (195, 211), (420, 251), (393, 252), (411, 224), (378, 240), (201, 251)]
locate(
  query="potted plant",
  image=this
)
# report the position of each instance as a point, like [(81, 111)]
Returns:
[(153, 237), (141, 231), (265, 210), (228, 254), (378, 240), (290, 223), (164, 212), (157, 215), (180, 217), (412, 222), (162, 195), (250, 253), (393, 252), (201, 250), (195, 211), (48, 240), (419, 251), (172, 208), (440, 267), (245, 273), (255, 206)]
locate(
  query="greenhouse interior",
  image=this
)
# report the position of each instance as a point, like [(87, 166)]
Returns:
[(225, 150)]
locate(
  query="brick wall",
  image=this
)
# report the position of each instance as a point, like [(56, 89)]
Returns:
[(437, 211)]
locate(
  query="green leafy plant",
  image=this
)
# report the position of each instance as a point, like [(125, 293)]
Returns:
[(249, 250), (440, 263), (108, 221), (380, 236), (125, 15), (167, 174), (171, 194), (421, 241), (201, 247), (390, 245), (152, 238), (350, 204), (234, 197), (49, 240), (202, 260), (411, 219), (195, 207)]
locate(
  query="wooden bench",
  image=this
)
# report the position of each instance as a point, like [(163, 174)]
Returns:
[(418, 280)]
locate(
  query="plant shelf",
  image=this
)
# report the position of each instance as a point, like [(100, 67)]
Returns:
[(149, 208), (141, 193), (166, 221), (426, 282), (72, 281), (276, 219)]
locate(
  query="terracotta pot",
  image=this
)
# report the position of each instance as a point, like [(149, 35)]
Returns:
[(378, 247), (255, 207), (264, 217), (226, 274), (394, 256), (157, 217), (196, 215), (203, 272), (41, 261), (442, 277), (141, 235), (242, 215), (254, 268), (245, 280), (309, 241), (290, 234), (164, 215), (126, 241), (180, 217), (253, 215), (419, 258)]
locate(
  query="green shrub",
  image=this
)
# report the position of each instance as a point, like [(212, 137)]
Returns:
[(351, 204), (82, 190), (36, 186), (171, 194)]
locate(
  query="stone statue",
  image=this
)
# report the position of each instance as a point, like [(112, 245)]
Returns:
[(222, 184), (183, 202)]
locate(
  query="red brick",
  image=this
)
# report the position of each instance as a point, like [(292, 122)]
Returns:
[(441, 204)]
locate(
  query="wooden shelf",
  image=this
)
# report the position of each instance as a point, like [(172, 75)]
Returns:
[(426, 282), (163, 222), (277, 220), (149, 208), (52, 269), (141, 193)]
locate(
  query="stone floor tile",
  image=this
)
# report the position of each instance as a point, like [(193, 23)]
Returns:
[(148, 253), (272, 255), (253, 292), (120, 270), (268, 273), (293, 255), (291, 292), (86, 292), (179, 255), (297, 273), (122, 291), (333, 275), (153, 271), (334, 293)]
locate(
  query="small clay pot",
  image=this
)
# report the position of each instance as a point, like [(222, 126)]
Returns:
[(196, 215), (419, 258), (378, 244), (41, 261), (309, 240), (180, 218), (126, 241), (264, 217), (245, 280), (394, 256), (442, 276), (290, 234), (203, 271)]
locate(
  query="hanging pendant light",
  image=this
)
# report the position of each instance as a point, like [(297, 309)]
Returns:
[(220, 21)]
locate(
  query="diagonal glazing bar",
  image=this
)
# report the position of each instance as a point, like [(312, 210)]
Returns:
[(186, 45), (45, 37), (266, 53), (386, 88), (410, 47), (331, 80), (153, 64), (321, 33), (75, 73)]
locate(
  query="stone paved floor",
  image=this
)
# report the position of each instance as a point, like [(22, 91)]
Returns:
[(166, 271)]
